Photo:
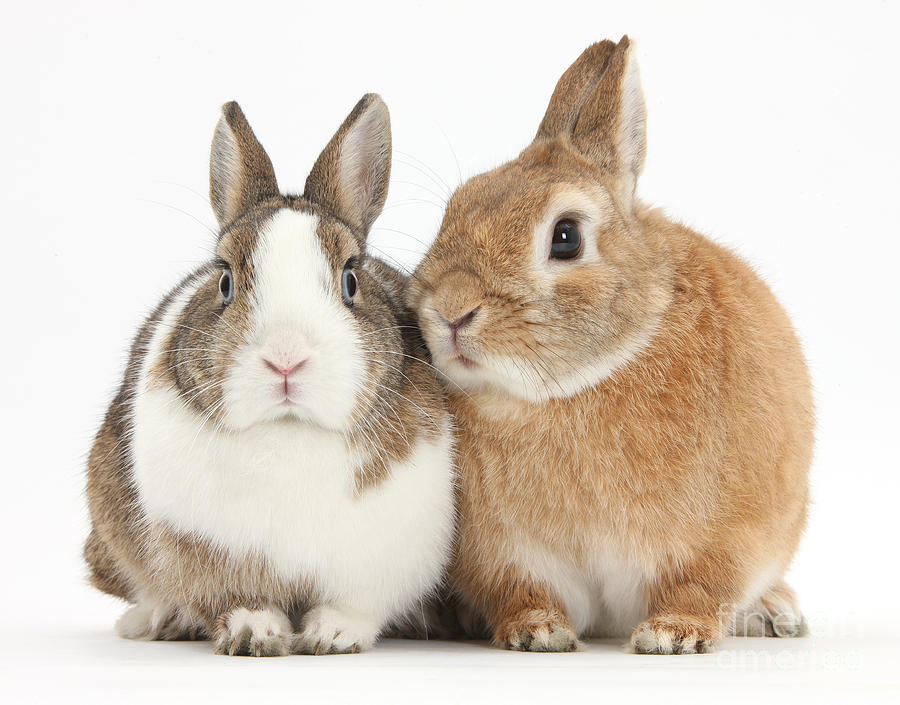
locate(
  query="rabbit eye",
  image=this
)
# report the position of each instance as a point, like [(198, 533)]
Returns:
[(566, 240), (226, 286), (349, 284)]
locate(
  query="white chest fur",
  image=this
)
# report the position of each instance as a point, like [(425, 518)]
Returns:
[(285, 490), (604, 598)]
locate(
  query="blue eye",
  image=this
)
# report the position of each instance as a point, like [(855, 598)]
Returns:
[(226, 286), (566, 240), (349, 285)]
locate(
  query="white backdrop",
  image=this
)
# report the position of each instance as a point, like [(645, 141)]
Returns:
[(772, 127)]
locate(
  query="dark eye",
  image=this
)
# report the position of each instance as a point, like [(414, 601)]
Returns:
[(566, 240), (226, 286), (349, 284)]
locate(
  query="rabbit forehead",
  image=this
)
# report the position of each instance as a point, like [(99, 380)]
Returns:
[(296, 260), (504, 221), (284, 220), (514, 197)]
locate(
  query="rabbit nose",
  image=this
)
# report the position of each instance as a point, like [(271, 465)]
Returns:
[(458, 299), (285, 370), (463, 320)]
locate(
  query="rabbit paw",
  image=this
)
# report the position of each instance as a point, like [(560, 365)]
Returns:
[(673, 635), (151, 620), (244, 632), (537, 630), (327, 630), (760, 620)]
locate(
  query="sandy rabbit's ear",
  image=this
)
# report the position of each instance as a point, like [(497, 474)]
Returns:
[(573, 90), (611, 126), (350, 178), (240, 172)]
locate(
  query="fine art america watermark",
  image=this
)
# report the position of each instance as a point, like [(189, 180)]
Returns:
[(794, 654)]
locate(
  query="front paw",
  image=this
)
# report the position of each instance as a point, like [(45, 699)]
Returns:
[(537, 630), (244, 632), (328, 630), (152, 620), (674, 635)]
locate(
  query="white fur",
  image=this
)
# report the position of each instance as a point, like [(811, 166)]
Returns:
[(152, 619), (329, 629), (286, 490), (651, 641), (622, 590), (143, 621), (264, 632), (568, 202), (632, 138), (763, 580), (522, 380), (786, 621), (297, 315), (554, 638), (163, 328), (605, 598), (519, 379), (281, 483), (749, 616), (261, 623)]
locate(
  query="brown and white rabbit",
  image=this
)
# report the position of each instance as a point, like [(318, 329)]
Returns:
[(279, 455), (634, 413)]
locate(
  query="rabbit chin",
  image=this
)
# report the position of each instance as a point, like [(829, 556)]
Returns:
[(521, 379), (252, 415)]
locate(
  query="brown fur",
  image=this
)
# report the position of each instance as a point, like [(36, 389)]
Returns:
[(690, 460)]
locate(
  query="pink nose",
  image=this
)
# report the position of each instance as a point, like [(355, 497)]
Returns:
[(285, 371)]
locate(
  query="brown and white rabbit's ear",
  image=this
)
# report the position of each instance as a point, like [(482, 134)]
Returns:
[(240, 172), (600, 104), (350, 178)]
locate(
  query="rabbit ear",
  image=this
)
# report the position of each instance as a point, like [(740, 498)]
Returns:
[(611, 126), (350, 178), (240, 172), (573, 89)]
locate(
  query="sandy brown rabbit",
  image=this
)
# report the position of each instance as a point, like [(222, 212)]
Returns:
[(634, 409), (276, 470)]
